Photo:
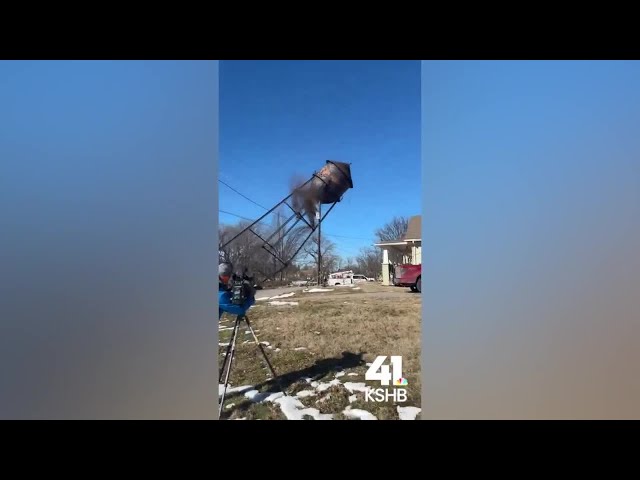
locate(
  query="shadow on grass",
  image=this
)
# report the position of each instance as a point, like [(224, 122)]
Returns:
[(317, 371)]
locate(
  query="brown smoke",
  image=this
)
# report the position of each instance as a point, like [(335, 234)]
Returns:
[(304, 199)]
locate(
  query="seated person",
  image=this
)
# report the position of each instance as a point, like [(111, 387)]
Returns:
[(225, 274)]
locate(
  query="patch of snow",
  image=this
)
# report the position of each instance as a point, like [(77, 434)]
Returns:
[(224, 344), (293, 409), (369, 364), (277, 350), (260, 397), (222, 329), (357, 288), (305, 393), (352, 398), (269, 347), (318, 290), (408, 413), (231, 405), (262, 298), (243, 418), (297, 349), (284, 295), (352, 374), (265, 343), (355, 387), (317, 333), (359, 414), (277, 302), (240, 389), (321, 387), (340, 374)]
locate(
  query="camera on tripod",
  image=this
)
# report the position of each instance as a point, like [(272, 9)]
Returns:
[(241, 288)]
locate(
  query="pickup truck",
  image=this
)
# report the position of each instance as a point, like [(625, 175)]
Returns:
[(408, 276)]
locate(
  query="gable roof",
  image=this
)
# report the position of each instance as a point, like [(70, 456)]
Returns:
[(414, 229)]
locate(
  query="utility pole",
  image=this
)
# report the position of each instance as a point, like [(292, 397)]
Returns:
[(318, 217)]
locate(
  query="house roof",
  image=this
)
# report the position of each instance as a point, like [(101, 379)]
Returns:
[(414, 234), (414, 229)]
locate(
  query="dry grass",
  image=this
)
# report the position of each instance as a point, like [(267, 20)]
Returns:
[(339, 331)]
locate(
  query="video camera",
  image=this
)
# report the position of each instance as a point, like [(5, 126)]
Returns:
[(242, 288)]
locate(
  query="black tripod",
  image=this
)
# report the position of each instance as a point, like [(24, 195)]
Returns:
[(228, 358)]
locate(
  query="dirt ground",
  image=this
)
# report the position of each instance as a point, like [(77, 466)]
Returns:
[(320, 345)]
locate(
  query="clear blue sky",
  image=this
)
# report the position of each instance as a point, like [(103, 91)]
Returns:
[(284, 118)]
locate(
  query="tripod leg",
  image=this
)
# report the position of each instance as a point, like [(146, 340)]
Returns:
[(226, 357), (264, 354), (226, 379)]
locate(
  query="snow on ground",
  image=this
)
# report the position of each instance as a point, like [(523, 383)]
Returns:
[(297, 349), (222, 329), (305, 393), (359, 414), (242, 388), (326, 386), (352, 374), (319, 290), (284, 295), (408, 413), (355, 387), (262, 298), (278, 302), (223, 344), (357, 288), (294, 409), (340, 374)]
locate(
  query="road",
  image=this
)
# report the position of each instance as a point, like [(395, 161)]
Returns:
[(369, 289)]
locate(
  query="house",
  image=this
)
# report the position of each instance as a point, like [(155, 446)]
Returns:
[(407, 250)]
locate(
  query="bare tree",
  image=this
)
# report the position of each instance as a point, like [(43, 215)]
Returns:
[(369, 262), (287, 241), (329, 257), (396, 229)]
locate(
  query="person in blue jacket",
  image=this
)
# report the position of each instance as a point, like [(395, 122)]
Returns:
[(225, 273)]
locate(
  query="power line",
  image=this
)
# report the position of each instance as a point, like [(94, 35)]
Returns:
[(280, 215), (267, 225), (242, 195)]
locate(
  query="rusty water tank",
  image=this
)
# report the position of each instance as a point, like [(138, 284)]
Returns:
[(331, 182)]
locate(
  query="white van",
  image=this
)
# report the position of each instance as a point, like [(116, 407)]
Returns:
[(345, 278), (341, 278)]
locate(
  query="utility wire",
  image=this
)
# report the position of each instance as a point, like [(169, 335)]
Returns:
[(267, 225), (261, 206)]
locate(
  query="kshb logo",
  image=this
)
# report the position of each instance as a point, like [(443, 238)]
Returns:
[(386, 375)]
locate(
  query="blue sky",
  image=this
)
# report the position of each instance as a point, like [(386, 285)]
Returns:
[(285, 118)]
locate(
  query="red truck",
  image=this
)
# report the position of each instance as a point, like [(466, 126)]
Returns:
[(408, 276)]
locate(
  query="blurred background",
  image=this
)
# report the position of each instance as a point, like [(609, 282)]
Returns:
[(532, 224)]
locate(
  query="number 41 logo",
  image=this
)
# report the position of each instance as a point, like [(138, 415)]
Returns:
[(379, 371)]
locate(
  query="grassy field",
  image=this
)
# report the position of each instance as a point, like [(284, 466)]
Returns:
[(319, 345)]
